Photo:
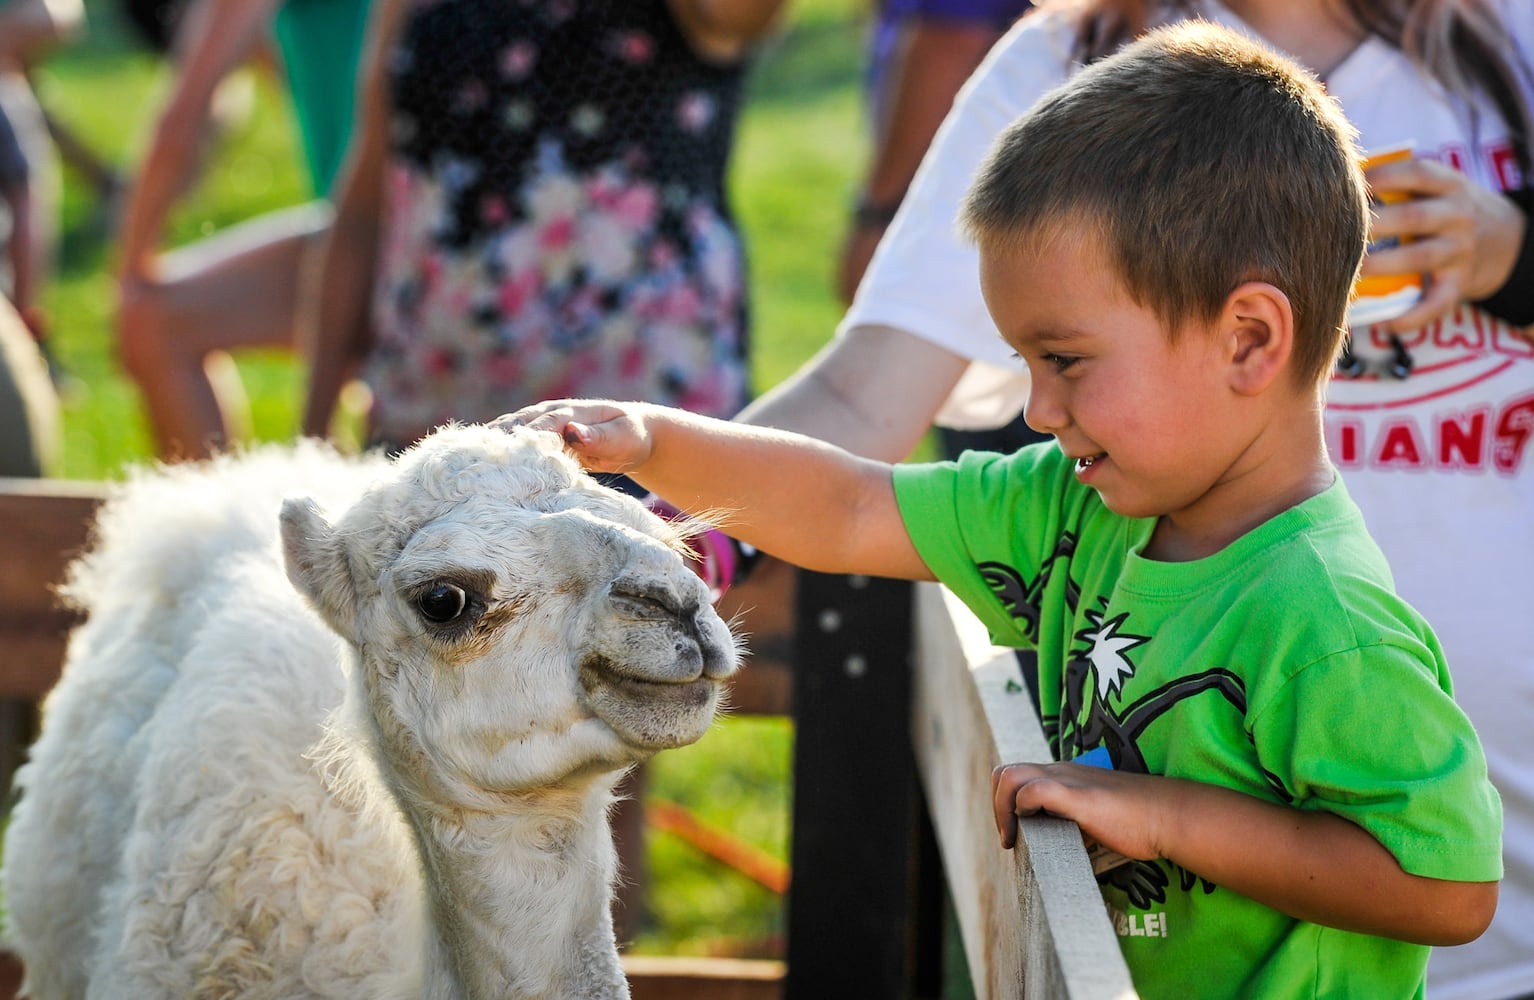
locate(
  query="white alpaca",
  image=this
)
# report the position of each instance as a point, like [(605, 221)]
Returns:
[(228, 800)]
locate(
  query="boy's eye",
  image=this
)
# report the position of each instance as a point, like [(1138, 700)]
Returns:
[(1060, 361)]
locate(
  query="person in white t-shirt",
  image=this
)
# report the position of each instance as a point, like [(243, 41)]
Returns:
[(1432, 418)]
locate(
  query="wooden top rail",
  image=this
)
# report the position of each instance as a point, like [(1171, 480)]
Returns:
[(44, 523), (1033, 921)]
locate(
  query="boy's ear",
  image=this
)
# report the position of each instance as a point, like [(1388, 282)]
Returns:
[(1258, 324)]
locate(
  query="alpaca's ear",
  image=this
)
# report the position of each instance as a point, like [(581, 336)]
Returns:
[(317, 565)]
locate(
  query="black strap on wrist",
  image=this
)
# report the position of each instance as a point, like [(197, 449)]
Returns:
[(1514, 301)]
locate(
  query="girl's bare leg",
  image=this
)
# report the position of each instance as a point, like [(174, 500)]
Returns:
[(237, 289)]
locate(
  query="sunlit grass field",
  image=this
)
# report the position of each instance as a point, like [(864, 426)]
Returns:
[(800, 148)]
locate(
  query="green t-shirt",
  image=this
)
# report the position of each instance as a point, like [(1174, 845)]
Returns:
[(1283, 666)]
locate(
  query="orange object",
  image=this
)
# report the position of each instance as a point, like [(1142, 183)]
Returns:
[(751, 861), (1378, 297)]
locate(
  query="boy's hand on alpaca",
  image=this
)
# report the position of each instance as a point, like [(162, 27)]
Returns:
[(1121, 811), (605, 437)]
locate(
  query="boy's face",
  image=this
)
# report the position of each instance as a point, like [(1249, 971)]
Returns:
[(1150, 422)]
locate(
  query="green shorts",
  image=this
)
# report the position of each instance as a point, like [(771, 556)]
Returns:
[(321, 43)]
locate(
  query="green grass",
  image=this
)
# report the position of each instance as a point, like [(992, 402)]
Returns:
[(736, 779), (800, 149)]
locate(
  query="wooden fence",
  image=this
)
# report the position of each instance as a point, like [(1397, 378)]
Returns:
[(871, 670)]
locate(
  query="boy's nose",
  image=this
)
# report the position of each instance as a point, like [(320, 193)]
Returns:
[(1043, 411)]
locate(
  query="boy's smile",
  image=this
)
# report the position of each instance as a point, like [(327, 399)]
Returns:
[(1158, 427)]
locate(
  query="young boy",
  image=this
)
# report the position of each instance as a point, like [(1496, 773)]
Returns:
[(1169, 241)]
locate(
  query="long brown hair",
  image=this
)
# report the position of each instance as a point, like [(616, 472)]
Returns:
[(1460, 43)]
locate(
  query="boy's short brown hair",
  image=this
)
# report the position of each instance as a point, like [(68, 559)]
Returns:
[(1201, 159)]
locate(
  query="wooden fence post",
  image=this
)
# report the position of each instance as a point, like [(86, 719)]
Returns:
[(850, 906), (1033, 920)]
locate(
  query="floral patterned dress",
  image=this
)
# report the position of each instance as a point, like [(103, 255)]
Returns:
[(556, 217)]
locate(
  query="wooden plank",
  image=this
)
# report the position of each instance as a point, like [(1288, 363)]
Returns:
[(43, 524), (1033, 921), (664, 978), (31, 654), (650, 978)]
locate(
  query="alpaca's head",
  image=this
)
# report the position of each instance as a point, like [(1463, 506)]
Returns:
[(516, 623)]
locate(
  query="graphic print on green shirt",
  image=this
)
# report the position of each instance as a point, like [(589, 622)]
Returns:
[(1283, 667)]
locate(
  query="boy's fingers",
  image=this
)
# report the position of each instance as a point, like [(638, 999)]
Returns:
[(1004, 785), (601, 442), (1006, 828), (539, 417), (1006, 825)]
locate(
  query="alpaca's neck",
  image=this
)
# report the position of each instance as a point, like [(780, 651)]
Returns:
[(520, 901)]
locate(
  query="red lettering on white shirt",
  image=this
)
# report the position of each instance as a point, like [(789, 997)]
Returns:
[(1473, 440), (1514, 426), (1400, 446), (1462, 439), (1504, 165)]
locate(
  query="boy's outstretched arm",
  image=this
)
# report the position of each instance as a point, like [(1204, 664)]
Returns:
[(796, 498), (1311, 865)]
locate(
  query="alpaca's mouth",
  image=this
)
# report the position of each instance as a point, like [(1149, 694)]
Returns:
[(677, 694), (599, 677), (653, 713)]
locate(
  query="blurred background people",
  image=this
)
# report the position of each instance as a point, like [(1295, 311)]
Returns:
[(920, 54), (182, 311), (536, 207), (30, 430), (29, 168), (29, 204)]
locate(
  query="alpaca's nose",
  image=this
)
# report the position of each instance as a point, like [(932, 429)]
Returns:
[(721, 653), (655, 576), (701, 645), (658, 570)]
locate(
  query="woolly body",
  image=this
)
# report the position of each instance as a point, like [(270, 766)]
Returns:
[(241, 790)]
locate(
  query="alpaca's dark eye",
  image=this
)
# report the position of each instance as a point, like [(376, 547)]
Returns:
[(442, 603)]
